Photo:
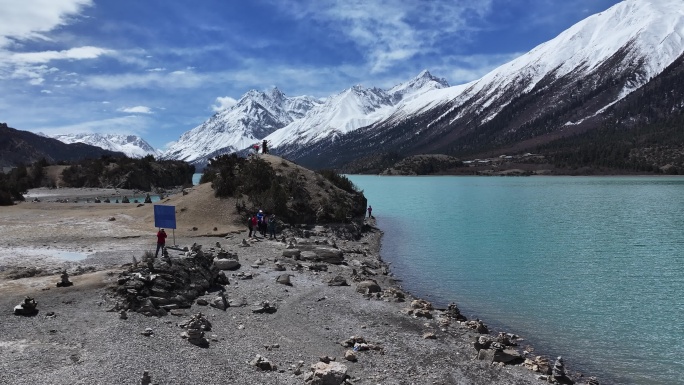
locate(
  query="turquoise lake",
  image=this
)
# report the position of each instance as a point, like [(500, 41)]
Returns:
[(590, 268)]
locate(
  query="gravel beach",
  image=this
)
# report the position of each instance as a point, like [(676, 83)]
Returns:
[(76, 338)]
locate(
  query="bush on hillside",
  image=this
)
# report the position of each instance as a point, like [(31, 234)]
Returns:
[(257, 186), (142, 174), (17, 182), (339, 180)]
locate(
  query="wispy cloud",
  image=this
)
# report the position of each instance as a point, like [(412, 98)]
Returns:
[(79, 53), (391, 31), (131, 124), (147, 80), (223, 102), (136, 110)]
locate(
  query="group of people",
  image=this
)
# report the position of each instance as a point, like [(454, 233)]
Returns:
[(264, 147), (261, 223), (257, 223)]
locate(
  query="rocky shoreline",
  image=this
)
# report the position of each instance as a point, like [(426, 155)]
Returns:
[(315, 306)]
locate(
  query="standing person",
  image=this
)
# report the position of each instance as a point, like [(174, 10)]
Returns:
[(250, 226), (255, 223), (272, 227), (161, 241), (264, 225), (264, 147), (370, 210)]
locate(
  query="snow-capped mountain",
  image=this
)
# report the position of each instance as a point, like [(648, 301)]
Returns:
[(285, 121), (253, 117), (349, 110), (131, 145), (561, 87)]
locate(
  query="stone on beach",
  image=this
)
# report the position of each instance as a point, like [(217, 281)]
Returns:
[(27, 307), (368, 287), (262, 363), (284, 279), (322, 373)]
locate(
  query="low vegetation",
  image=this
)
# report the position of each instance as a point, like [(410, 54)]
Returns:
[(294, 194), (105, 172), (142, 174)]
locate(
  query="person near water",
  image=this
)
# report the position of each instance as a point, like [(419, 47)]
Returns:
[(161, 241), (272, 226), (370, 210)]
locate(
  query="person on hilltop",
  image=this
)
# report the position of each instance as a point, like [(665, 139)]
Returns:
[(264, 147), (161, 241), (370, 210)]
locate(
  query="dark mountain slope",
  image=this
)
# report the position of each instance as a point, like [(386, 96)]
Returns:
[(23, 147)]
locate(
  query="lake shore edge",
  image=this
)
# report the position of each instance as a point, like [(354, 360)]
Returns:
[(74, 337)]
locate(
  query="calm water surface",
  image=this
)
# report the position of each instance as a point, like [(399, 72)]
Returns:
[(591, 268)]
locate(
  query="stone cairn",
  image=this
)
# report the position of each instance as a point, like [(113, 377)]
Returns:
[(558, 371), (26, 308), (65, 280), (195, 328), (146, 379), (165, 284)]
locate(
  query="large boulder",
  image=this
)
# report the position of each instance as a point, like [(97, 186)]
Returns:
[(368, 287), (227, 264), (329, 255), (292, 253), (332, 373)]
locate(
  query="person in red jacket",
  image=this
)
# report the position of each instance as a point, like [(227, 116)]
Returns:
[(255, 224), (161, 241)]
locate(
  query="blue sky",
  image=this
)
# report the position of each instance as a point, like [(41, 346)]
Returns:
[(158, 68)]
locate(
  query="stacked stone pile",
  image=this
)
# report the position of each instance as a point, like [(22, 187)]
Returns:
[(195, 328), (160, 285)]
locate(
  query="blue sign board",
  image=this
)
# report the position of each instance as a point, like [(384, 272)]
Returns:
[(165, 216)]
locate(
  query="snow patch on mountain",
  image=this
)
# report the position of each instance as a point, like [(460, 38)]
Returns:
[(351, 109), (252, 118), (131, 145), (652, 32)]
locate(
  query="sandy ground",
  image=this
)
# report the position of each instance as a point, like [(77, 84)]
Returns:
[(75, 340)]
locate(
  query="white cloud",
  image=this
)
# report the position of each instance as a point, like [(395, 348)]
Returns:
[(223, 102), (30, 19), (45, 91), (173, 80), (79, 53), (34, 74), (158, 69), (131, 124), (136, 110)]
